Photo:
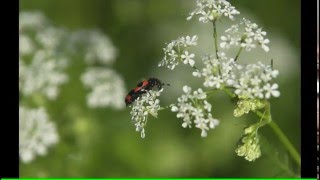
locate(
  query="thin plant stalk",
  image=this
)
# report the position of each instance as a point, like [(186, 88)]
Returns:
[(282, 137), (215, 39), (238, 54)]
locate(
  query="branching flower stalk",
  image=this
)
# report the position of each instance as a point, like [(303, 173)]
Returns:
[(250, 85)]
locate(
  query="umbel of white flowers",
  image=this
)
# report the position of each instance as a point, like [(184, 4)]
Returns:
[(40, 65), (193, 108), (246, 34), (45, 52), (107, 87), (250, 81), (211, 10), (251, 84), (36, 133), (176, 52), (144, 105)]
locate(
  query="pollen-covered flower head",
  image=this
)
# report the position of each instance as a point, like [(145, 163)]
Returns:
[(211, 10), (106, 87), (247, 35), (36, 133), (193, 108), (147, 103), (177, 51)]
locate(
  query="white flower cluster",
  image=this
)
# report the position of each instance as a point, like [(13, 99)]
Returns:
[(97, 47), (43, 75), (211, 10), (144, 105), (250, 81), (43, 52), (217, 73), (31, 20), (107, 87), (255, 81), (36, 133), (249, 37), (40, 64), (194, 107), (177, 51)]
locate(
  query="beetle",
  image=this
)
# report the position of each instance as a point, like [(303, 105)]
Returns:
[(143, 87)]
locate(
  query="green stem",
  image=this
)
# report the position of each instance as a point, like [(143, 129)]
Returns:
[(228, 92), (163, 108), (215, 36), (237, 56), (195, 68), (283, 138)]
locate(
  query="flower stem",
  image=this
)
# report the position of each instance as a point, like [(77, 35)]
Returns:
[(228, 92), (283, 138), (215, 38), (163, 108), (237, 56)]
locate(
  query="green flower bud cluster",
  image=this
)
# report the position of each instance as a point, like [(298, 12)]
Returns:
[(244, 106), (249, 147)]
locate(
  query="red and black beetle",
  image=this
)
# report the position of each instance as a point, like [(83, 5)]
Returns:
[(142, 88)]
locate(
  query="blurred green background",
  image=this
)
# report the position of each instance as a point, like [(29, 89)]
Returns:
[(103, 142)]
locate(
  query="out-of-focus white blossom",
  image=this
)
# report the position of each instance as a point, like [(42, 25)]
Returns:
[(245, 34), (36, 133), (31, 21), (41, 65), (50, 38), (147, 103), (193, 107), (43, 75), (26, 45), (211, 10), (107, 87), (177, 51), (96, 47)]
